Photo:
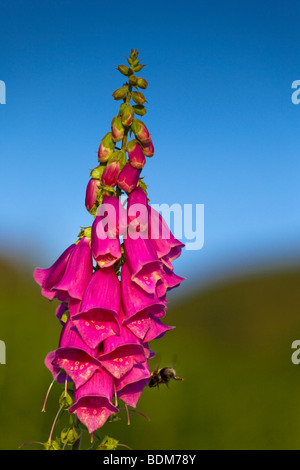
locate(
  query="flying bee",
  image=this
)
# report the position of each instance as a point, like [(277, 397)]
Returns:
[(162, 376)]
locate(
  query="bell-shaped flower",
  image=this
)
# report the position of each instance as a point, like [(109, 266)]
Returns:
[(48, 278), (143, 263), (167, 247), (156, 330), (135, 299), (106, 251), (100, 306), (77, 274), (137, 213), (129, 387), (121, 352), (168, 281), (73, 356), (93, 400)]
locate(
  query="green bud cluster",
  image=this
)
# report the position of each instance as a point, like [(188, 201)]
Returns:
[(113, 146)]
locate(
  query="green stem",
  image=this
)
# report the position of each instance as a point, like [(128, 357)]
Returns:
[(125, 137)]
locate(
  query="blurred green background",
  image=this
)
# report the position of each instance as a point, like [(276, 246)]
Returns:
[(232, 345)]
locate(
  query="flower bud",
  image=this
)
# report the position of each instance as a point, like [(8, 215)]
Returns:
[(139, 109), (148, 148), (142, 83), (128, 178), (140, 130), (117, 129), (119, 94), (113, 168), (91, 193), (123, 69), (138, 97), (127, 116), (138, 67), (136, 155), (133, 80), (106, 147)]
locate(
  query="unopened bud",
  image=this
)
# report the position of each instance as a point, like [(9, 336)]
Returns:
[(123, 69), (117, 129), (135, 154), (138, 68), (128, 178), (106, 147), (139, 109), (140, 130), (142, 83), (91, 193), (148, 148), (127, 116), (133, 80), (119, 94), (113, 168), (138, 97)]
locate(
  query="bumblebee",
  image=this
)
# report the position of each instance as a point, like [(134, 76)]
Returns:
[(162, 376)]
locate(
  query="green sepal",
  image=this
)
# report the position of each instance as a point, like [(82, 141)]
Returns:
[(85, 232), (53, 445), (108, 443), (97, 172), (65, 401), (70, 435)]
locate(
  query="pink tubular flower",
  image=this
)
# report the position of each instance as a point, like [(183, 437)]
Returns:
[(74, 356), (121, 352), (167, 247), (106, 251), (143, 263), (129, 387), (93, 401), (113, 216), (100, 307), (137, 212), (77, 274), (135, 299), (128, 178), (47, 278), (91, 193)]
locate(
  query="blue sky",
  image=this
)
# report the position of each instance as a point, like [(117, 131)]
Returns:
[(225, 130)]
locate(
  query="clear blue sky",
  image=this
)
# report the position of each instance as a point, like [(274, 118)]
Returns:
[(225, 131)]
